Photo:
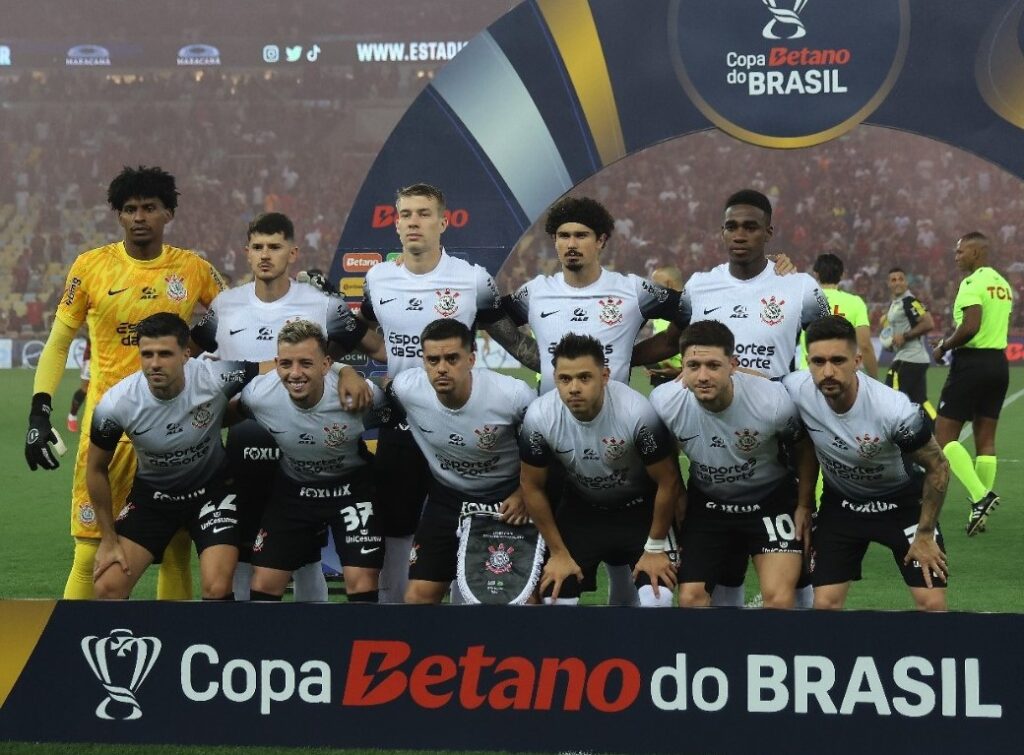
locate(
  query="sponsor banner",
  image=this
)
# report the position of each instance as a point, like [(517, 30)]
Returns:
[(632, 682), (24, 352)]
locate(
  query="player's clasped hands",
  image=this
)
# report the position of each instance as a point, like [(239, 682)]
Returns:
[(659, 568), (560, 567), (925, 550)]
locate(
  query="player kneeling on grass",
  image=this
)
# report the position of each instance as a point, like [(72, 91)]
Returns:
[(323, 478), (868, 437), (171, 411), (622, 484), (742, 500)]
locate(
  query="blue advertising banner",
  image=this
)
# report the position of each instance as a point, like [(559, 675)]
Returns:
[(508, 679)]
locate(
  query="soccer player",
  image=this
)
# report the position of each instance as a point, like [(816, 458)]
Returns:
[(623, 481), (172, 410), (667, 370), (465, 421), (765, 310), (828, 271), (243, 323), (79, 397), (113, 288), (979, 376), (404, 296), (910, 323), (324, 480), (866, 435), (732, 427)]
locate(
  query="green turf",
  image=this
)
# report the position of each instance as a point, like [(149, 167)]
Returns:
[(35, 511)]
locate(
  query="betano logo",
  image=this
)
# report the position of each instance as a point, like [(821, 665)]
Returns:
[(121, 661), (360, 262), (384, 217)]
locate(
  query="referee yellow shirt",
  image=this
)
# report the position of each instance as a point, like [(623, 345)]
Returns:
[(989, 290)]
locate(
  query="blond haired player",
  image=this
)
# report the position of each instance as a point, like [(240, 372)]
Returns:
[(113, 288)]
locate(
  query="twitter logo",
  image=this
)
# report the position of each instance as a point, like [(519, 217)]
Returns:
[(293, 53)]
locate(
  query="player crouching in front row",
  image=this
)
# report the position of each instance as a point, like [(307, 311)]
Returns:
[(171, 411)]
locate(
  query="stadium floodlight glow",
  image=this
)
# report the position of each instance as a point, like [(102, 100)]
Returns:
[(87, 55), (199, 55)]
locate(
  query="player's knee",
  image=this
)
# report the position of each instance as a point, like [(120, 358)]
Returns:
[(777, 597), (421, 592), (108, 587), (930, 600), (359, 580), (649, 600), (217, 588), (828, 601), (693, 595)]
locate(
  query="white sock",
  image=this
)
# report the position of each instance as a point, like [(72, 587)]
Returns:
[(310, 584), (647, 599), (561, 601), (242, 580), (805, 597), (394, 575), (731, 597), (621, 590)]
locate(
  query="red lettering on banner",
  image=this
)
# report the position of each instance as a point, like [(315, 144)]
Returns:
[(456, 218), (376, 677), (360, 262), (1014, 352), (383, 216), (783, 56)]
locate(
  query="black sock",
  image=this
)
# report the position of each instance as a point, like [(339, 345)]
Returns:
[(229, 598), (256, 596), (363, 597), (76, 400)]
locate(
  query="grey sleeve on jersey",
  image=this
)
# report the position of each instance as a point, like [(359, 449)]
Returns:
[(205, 331), (105, 431), (488, 301), (234, 376), (663, 303), (517, 305), (815, 306), (533, 448), (653, 440), (342, 326)]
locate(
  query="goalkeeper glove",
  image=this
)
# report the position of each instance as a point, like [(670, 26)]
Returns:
[(41, 434)]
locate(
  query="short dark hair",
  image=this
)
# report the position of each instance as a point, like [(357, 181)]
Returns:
[(269, 223), (897, 269), (164, 324), (975, 236), (831, 328), (708, 333), (752, 198), (142, 182), (582, 210), (442, 330), (421, 190), (829, 268), (574, 346)]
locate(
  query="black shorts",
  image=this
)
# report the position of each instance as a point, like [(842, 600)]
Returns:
[(151, 517), (910, 378), (402, 478), (840, 539), (253, 463), (592, 535), (435, 548), (976, 385), (712, 540), (295, 524)]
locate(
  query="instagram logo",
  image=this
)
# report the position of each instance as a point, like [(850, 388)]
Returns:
[(271, 53)]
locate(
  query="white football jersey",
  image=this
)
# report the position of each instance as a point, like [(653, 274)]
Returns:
[(177, 442), (734, 454), (472, 449), (605, 458), (766, 314), (239, 325), (612, 309), (318, 444), (861, 451), (404, 303)]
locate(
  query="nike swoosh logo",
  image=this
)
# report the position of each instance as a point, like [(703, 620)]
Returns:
[(709, 311), (548, 314), (683, 440), (560, 451), (277, 432), (143, 432), (812, 429), (386, 301), (423, 429), (364, 551), (232, 332), (112, 292), (221, 529)]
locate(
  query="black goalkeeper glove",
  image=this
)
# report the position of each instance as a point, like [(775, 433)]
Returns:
[(316, 279), (41, 434)]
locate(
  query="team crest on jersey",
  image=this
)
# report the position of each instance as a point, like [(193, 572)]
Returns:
[(868, 445), (447, 304), (202, 416), (334, 435), (614, 449), (176, 290), (125, 511), (86, 514), (261, 538), (747, 440), (611, 310), (500, 560), (486, 437), (771, 311)]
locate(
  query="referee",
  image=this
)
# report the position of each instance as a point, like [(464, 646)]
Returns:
[(979, 375)]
